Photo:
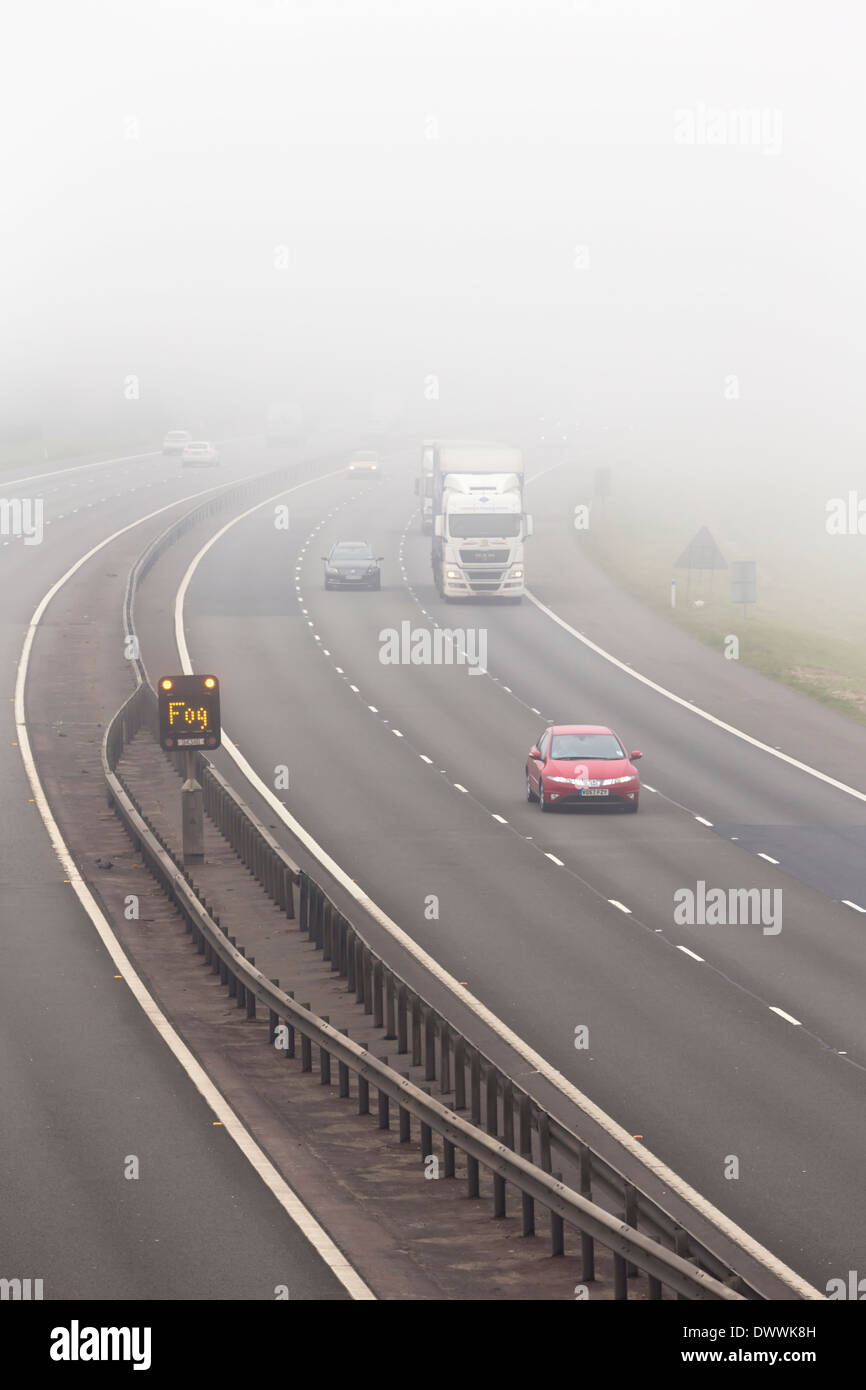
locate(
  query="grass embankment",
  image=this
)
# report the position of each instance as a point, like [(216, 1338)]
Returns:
[(808, 627)]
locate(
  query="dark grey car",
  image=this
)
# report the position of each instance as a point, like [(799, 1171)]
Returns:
[(352, 565)]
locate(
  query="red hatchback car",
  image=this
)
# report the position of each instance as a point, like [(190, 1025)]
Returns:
[(574, 764)]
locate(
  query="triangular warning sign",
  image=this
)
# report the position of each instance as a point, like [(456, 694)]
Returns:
[(702, 553)]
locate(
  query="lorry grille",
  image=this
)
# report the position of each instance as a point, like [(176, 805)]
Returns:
[(484, 557)]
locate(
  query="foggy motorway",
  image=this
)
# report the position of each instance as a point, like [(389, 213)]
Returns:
[(438, 427)]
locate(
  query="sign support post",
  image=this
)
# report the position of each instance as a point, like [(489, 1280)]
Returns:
[(189, 718), (192, 814)]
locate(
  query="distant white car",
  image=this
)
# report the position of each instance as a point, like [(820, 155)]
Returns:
[(365, 465), (176, 441), (200, 453)]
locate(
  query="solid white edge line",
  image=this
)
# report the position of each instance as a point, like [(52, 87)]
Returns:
[(614, 902), (538, 1063), (767, 857), (79, 467), (318, 1237), (553, 857), (856, 906), (695, 709), (704, 821)]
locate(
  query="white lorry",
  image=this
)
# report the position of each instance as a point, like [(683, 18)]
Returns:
[(424, 486), (479, 521)]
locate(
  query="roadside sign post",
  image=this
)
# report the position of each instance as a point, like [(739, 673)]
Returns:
[(744, 584), (189, 718)]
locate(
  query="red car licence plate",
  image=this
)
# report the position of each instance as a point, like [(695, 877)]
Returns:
[(601, 791)]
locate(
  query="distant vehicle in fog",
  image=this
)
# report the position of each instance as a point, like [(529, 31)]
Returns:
[(352, 565), (200, 453), (175, 441), (424, 486), (285, 423), (365, 464)]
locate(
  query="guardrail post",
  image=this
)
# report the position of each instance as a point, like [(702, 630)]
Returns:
[(655, 1288), (290, 894), (492, 1106), (524, 1126), (232, 980), (426, 1134), (459, 1073), (324, 1060), (681, 1246), (390, 1009), (251, 998), (630, 1219), (402, 1020), (587, 1242), (416, 1031), (475, 1086), (405, 1118), (360, 970), (363, 1095), (303, 895), (508, 1114), (620, 1280), (290, 1033), (306, 1049), (351, 946), (429, 1043), (544, 1161), (528, 1213), (472, 1185), (273, 1019), (448, 1161), (343, 1072), (557, 1230), (368, 982), (241, 992), (498, 1195), (326, 932), (384, 1107), (338, 944), (445, 1058), (378, 996)]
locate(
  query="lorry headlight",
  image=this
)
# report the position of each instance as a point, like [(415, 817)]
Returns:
[(452, 574), (517, 572)]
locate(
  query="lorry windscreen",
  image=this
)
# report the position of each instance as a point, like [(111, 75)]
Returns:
[(499, 524)]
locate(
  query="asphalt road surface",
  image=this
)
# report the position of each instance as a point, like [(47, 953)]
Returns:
[(412, 777)]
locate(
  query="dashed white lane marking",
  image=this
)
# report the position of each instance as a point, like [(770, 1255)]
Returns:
[(856, 906), (687, 952), (425, 759), (768, 858), (372, 709), (396, 733), (339, 670), (645, 786), (501, 819), (787, 1017), (703, 821), (614, 902), (554, 859), (355, 688), (459, 788)]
